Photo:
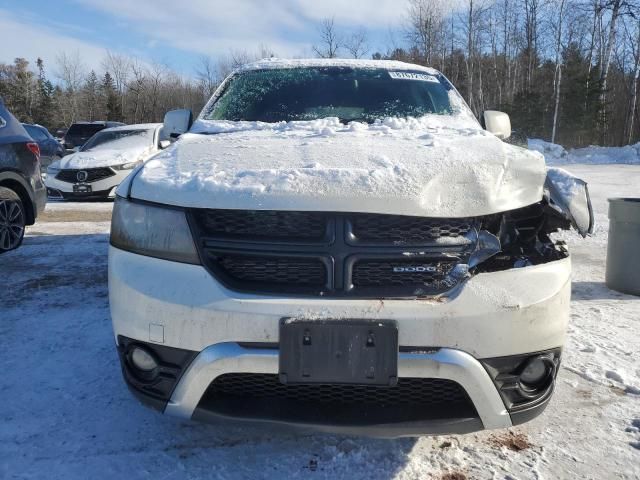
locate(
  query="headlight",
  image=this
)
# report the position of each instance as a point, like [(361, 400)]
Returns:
[(52, 171), (152, 231), (126, 166)]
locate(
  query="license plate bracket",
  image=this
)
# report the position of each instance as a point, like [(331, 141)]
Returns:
[(356, 352)]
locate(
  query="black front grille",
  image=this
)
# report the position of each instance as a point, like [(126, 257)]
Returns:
[(93, 175), (399, 274), (402, 230), (278, 270), (332, 254), (408, 391), (262, 224), (262, 396)]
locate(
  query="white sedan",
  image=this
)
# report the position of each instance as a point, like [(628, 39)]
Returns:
[(103, 162)]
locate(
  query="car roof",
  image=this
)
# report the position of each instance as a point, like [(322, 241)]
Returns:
[(98, 122), (138, 126), (279, 63), (33, 125)]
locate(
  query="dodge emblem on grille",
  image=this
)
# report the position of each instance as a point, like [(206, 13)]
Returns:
[(416, 268), (82, 176)]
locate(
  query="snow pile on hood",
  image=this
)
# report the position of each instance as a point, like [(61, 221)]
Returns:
[(438, 165), (557, 155), (103, 157)]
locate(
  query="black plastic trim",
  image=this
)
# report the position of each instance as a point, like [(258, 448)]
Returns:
[(505, 372), (524, 415), (154, 389), (452, 426), (353, 418)]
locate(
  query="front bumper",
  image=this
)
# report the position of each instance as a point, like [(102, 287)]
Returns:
[(501, 314), (443, 364), (104, 188)]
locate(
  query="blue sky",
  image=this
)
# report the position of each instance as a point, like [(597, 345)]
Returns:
[(179, 32)]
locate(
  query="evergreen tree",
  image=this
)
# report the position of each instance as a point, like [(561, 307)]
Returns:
[(43, 109), (91, 97), (111, 99)]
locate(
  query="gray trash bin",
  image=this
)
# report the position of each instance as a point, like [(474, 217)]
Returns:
[(623, 252)]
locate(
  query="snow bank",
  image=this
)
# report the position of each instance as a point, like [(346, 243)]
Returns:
[(557, 155), (551, 151)]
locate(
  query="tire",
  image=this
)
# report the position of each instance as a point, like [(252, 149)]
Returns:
[(12, 220)]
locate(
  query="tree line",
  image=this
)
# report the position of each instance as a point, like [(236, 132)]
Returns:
[(566, 71)]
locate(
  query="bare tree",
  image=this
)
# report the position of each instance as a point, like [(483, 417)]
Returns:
[(531, 8), (633, 101), (207, 74), (356, 43), (119, 66), (330, 43), (426, 26), (615, 6), (471, 21), (557, 80), (70, 70)]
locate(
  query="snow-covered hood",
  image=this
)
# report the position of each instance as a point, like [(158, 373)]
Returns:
[(102, 158), (436, 166)]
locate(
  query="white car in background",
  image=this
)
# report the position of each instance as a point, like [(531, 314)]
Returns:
[(103, 162)]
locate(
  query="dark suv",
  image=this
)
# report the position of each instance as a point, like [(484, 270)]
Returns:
[(80, 132), (22, 193), (50, 149)]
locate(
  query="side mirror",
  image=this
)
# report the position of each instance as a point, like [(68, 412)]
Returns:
[(177, 122), (497, 123), (164, 144)]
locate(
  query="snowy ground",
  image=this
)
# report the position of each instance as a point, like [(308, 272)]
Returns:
[(67, 414)]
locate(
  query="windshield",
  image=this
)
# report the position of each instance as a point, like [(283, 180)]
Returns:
[(351, 94), (119, 140)]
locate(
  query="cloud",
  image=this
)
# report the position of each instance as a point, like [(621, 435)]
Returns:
[(177, 33), (287, 26), (31, 41)]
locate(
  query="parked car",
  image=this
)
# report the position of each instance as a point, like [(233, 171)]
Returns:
[(339, 245), (103, 162), (59, 135), (50, 149), (78, 133), (22, 193)]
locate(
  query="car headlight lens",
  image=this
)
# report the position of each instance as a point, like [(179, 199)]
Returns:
[(154, 231), (126, 166), (52, 171)]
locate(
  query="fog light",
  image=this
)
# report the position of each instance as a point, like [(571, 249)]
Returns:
[(536, 372), (143, 360)]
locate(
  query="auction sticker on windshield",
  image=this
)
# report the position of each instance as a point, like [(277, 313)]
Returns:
[(421, 77)]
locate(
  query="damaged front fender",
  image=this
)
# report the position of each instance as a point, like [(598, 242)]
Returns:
[(569, 196)]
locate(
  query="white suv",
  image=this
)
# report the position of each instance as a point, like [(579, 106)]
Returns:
[(339, 245)]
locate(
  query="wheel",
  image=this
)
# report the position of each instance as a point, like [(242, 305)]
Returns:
[(12, 220)]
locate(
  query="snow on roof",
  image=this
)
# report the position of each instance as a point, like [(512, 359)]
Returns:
[(274, 63), (139, 126)]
